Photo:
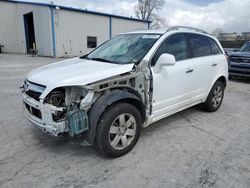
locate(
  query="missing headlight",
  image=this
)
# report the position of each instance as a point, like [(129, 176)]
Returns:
[(56, 97)]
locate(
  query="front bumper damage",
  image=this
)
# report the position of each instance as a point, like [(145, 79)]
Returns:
[(75, 114), (41, 115)]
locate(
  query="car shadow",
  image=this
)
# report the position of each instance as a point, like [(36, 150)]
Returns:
[(63, 144), (172, 121), (78, 146)]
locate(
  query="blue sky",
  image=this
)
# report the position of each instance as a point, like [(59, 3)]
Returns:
[(229, 15)]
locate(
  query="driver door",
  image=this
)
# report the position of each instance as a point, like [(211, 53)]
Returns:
[(173, 86)]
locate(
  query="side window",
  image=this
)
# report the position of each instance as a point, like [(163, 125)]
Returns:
[(214, 47), (175, 45), (91, 42), (200, 45)]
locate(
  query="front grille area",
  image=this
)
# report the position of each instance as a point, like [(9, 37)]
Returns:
[(33, 94), (240, 59), (238, 66), (33, 90), (34, 111)]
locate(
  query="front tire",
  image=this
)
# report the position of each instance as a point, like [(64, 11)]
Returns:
[(118, 129), (215, 97)]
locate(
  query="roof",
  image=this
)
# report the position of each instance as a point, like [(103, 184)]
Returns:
[(151, 31), (174, 29), (79, 10)]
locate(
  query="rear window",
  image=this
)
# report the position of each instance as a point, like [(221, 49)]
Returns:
[(200, 45), (214, 47)]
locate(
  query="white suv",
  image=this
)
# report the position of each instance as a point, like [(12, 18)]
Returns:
[(129, 82)]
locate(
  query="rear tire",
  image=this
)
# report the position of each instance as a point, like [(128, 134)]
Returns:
[(118, 129), (214, 98)]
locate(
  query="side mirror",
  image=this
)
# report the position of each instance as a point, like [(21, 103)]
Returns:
[(164, 60)]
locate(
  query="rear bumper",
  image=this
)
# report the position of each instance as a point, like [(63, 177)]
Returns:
[(41, 116), (239, 69)]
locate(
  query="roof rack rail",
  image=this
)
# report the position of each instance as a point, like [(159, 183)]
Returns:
[(185, 27)]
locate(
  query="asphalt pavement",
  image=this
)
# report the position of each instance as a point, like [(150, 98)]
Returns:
[(189, 149)]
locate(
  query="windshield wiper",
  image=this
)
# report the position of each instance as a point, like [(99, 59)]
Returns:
[(101, 59), (84, 56)]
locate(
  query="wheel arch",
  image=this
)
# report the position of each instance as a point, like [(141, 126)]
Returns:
[(223, 80), (107, 99)]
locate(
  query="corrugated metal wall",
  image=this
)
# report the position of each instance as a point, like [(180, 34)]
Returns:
[(121, 25), (12, 33), (42, 25), (72, 29)]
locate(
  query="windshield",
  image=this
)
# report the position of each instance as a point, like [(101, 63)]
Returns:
[(124, 49), (245, 47)]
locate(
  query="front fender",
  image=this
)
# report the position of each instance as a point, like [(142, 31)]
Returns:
[(98, 108)]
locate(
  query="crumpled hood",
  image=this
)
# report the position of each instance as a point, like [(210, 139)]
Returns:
[(75, 72)]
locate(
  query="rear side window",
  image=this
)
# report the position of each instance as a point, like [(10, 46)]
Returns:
[(214, 47), (175, 45), (200, 45)]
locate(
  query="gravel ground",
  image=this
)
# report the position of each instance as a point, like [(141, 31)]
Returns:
[(189, 149)]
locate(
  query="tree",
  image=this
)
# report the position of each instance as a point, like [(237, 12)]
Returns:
[(216, 32), (146, 10), (158, 22)]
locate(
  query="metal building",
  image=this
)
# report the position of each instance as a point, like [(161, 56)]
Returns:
[(58, 31)]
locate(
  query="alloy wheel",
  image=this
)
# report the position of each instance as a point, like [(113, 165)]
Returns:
[(217, 96), (122, 131)]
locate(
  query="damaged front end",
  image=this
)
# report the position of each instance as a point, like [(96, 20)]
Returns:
[(76, 109), (63, 110)]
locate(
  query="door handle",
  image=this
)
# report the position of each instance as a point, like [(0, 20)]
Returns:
[(214, 64), (189, 70)]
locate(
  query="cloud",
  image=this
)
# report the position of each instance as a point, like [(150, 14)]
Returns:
[(122, 7), (229, 15)]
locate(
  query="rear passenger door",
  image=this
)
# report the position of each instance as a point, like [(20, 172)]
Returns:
[(201, 62), (217, 57)]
